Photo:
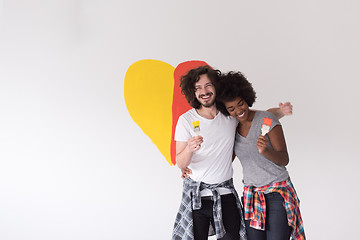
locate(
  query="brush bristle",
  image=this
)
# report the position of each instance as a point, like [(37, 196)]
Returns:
[(267, 121), (195, 124)]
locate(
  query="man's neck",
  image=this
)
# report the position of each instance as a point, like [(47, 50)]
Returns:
[(207, 112)]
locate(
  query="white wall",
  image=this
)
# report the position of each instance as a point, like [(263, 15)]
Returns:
[(73, 164)]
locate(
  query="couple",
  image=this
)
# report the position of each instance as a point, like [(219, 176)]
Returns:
[(210, 204)]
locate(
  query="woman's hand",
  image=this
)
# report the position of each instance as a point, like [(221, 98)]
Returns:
[(261, 144), (185, 173), (278, 153)]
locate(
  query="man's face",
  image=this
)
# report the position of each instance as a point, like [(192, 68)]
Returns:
[(205, 91)]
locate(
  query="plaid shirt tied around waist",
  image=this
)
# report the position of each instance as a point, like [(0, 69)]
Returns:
[(191, 200), (255, 206)]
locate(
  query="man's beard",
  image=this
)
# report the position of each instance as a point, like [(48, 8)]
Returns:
[(208, 105)]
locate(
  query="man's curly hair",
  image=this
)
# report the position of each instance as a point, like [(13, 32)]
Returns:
[(187, 83), (232, 85)]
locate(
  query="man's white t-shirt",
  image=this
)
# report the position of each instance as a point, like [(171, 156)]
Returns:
[(212, 163)]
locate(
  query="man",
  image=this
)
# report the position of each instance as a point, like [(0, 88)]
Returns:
[(210, 204)]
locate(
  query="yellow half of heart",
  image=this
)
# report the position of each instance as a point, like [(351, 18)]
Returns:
[(148, 92)]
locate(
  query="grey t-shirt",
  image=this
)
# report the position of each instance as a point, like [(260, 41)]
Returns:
[(258, 170)]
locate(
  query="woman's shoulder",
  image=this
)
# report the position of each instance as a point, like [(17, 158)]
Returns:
[(267, 114)]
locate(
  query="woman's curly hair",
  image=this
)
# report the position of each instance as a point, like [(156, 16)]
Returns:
[(187, 83), (230, 86)]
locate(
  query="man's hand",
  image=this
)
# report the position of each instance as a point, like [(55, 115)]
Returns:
[(286, 108), (194, 143), (185, 173)]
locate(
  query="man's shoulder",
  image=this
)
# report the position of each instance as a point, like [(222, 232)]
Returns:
[(188, 114), (227, 118), (186, 117), (183, 126)]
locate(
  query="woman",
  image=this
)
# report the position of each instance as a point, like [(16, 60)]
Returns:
[(271, 205)]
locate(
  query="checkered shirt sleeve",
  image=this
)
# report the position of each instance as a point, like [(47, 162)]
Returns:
[(191, 200), (255, 206)]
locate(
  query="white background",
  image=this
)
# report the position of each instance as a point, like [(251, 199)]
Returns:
[(74, 165)]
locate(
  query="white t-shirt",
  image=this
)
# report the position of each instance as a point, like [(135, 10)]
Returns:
[(212, 163)]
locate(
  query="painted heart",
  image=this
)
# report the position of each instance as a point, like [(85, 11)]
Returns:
[(153, 98)]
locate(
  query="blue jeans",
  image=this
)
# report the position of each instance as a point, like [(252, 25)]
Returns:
[(276, 223)]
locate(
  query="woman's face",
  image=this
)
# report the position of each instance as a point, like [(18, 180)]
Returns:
[(238, 108)]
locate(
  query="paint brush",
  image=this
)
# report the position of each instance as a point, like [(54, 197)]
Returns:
[(196, 127), (266, 126)]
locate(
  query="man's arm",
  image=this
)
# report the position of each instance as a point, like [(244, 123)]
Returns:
[(284, 109), (185, 150)]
